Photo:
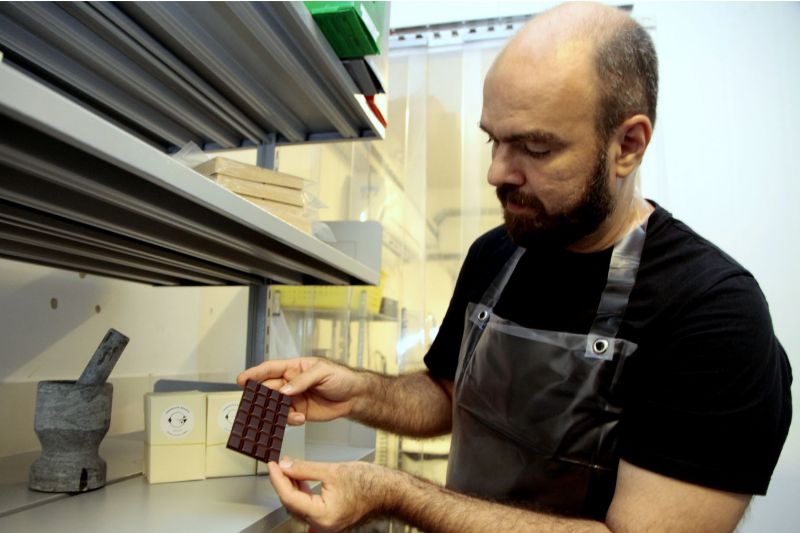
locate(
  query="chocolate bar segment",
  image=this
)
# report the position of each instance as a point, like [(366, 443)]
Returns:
[(260, 422)]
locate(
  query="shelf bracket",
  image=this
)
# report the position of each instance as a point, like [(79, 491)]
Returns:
[(265, 153)]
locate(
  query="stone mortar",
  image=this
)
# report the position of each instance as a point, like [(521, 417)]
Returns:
[(70, 420)]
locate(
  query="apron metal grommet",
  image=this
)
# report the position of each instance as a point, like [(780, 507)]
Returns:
[(483, 315), (600, 346)]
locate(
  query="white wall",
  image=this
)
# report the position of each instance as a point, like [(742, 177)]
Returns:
[(724, 160), (52, 321)]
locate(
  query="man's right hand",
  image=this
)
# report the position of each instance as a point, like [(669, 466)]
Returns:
[(320, 389)]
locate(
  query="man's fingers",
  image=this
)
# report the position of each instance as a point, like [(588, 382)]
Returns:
[(301, 374), (275, 384), (305, 470), (305, 380), (296, 418), (264, 371), (296, 500)]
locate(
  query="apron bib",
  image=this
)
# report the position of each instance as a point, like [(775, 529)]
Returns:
[(535, 412)]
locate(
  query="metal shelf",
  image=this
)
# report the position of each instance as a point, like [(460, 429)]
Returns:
[(81, 193), (129, 503), (220, 74)]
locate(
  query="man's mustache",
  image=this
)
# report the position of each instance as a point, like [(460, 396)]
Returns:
[(511, 193)]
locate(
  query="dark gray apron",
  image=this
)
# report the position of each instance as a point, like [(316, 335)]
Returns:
[(535, 412)]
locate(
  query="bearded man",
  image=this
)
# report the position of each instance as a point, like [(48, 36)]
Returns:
[(600, 366)]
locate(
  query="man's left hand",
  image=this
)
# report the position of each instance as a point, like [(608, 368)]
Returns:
[(349, 492)]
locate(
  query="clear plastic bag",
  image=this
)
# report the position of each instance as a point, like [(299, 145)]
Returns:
[(323, 232), (190, 155), (281, 343)]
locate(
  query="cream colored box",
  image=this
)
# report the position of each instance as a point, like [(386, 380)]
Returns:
[(294, 445), (175, 436), (221, 408)]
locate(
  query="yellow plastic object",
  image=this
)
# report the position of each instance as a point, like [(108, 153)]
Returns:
[(331, 297)]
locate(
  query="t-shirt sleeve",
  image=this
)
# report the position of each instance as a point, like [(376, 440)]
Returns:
[(710, 402)]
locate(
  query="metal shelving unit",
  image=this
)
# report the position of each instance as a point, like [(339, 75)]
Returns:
[(94, 96)]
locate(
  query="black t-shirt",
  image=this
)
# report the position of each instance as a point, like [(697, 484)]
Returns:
[(707, 392)]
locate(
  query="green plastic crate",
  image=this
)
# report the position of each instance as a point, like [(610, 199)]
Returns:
[(352, 28)]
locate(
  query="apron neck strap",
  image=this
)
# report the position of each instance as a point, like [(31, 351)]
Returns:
[(492, 294), (622, 270)]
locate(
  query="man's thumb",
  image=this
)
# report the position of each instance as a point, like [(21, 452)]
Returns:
[(303, 470), (304, 381)]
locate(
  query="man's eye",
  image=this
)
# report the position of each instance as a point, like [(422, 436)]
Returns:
[(536, 151)]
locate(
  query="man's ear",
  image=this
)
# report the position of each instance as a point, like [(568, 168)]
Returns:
[(631, 139)]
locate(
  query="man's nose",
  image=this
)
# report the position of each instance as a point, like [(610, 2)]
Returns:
[(504, 167)]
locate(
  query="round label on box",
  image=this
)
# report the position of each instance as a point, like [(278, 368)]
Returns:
[(227, 415), (177, 421)]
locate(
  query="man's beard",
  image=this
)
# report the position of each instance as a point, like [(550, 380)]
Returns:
[(537, 228)]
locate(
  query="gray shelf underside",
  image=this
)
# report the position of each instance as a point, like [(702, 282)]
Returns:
[(220, 74), (77, 192)]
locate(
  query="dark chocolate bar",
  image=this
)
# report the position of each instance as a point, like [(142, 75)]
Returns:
[(260, 422)]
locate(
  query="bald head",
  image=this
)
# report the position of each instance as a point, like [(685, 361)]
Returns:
[(609, 51), (566, 26), (576, 20)]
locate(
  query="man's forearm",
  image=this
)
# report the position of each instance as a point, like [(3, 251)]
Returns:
[(414, 405), (432, 508)]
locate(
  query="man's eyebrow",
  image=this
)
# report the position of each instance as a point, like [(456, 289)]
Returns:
[(537, 136)]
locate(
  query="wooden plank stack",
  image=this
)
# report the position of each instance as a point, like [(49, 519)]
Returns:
[(279, 194)]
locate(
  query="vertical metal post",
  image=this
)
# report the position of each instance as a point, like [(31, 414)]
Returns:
[(265, 153), (273, 310), (257, 315), (334, 327), (256, 325), (362, 328), (345, 317), (401, 360)]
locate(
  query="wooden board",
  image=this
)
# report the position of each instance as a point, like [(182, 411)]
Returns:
[(266, 191), (243, 171), (292, 214), (276, 207)]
